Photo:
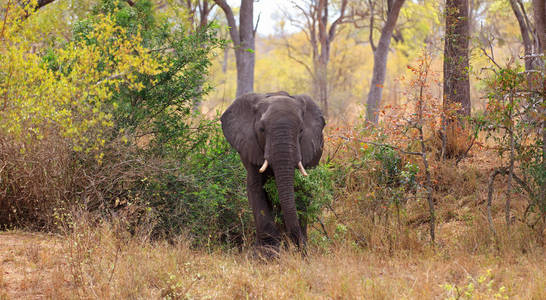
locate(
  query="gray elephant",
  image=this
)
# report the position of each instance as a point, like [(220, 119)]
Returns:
[(274, 134)]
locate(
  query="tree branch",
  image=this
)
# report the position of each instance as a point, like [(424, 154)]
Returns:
[(233, 32), (289, 53), (492, 57), (42, 3), (378, 144), (339, 20), (257, 22), (372, 5)]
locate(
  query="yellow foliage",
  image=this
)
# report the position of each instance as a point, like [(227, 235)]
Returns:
[(74, 98)]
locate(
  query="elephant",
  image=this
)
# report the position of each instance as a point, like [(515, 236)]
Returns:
[(274, 134)]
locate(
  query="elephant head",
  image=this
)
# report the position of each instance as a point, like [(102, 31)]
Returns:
[(279, 133)]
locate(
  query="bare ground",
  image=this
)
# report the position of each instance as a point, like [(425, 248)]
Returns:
[(27, 262)]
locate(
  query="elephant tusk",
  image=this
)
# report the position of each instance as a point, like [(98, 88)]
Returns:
[(302, 169), (264, 166)]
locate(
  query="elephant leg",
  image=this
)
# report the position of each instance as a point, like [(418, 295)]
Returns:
[(267, 234), (303, 225), (302, 207)]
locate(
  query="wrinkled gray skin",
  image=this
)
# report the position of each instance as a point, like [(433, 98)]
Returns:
[(283, 130)]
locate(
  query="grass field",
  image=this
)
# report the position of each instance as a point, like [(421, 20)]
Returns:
[(98, 264), (102, 260)]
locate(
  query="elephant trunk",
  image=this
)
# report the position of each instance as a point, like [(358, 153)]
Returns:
[(283, 167)]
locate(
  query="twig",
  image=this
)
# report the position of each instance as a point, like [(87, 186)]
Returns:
[(511, 166), (424, 157), (330, 158), (115, 76), (357, 236), (490, 58), (464, 154), (377, 144), (299, 61), (5, 19), (257, 22), (114, 266), (323, 228), (501, 170)]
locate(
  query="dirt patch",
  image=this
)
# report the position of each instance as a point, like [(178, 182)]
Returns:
[(27, 261)]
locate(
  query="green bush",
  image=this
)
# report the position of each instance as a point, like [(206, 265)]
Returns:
[(195, 183), (205, 196), (312, 193), (158, 113), (391, 177), (514, 121), (160, 165)]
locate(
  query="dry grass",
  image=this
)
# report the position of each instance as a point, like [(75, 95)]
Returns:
[(102, 260), (42, 181), (105, 262)]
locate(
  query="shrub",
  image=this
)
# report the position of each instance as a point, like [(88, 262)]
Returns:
[(55, 106), (103, 123), (205, 196), (312, 193), (514, 121)]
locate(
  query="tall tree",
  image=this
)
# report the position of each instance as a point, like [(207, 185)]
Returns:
[(242, 37), (456, 72), (529, 35), (381, 52), (540, 24), (320, 35)]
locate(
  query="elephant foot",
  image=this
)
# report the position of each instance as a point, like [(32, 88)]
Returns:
[(265, 253), (297, 239), (269, 247)]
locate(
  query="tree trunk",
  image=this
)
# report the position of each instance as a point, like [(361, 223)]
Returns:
[(245, 53), (321, 84), (225, 61), (540, 18), (380, 63), (243, 42), (320, 37), (193, 7), (540, 25), (526, 34), (456, 76)]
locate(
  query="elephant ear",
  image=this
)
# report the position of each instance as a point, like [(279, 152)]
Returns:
[(312, 140), (238, 127)]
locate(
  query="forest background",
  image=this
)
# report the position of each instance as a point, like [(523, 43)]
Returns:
[(110, 144)]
